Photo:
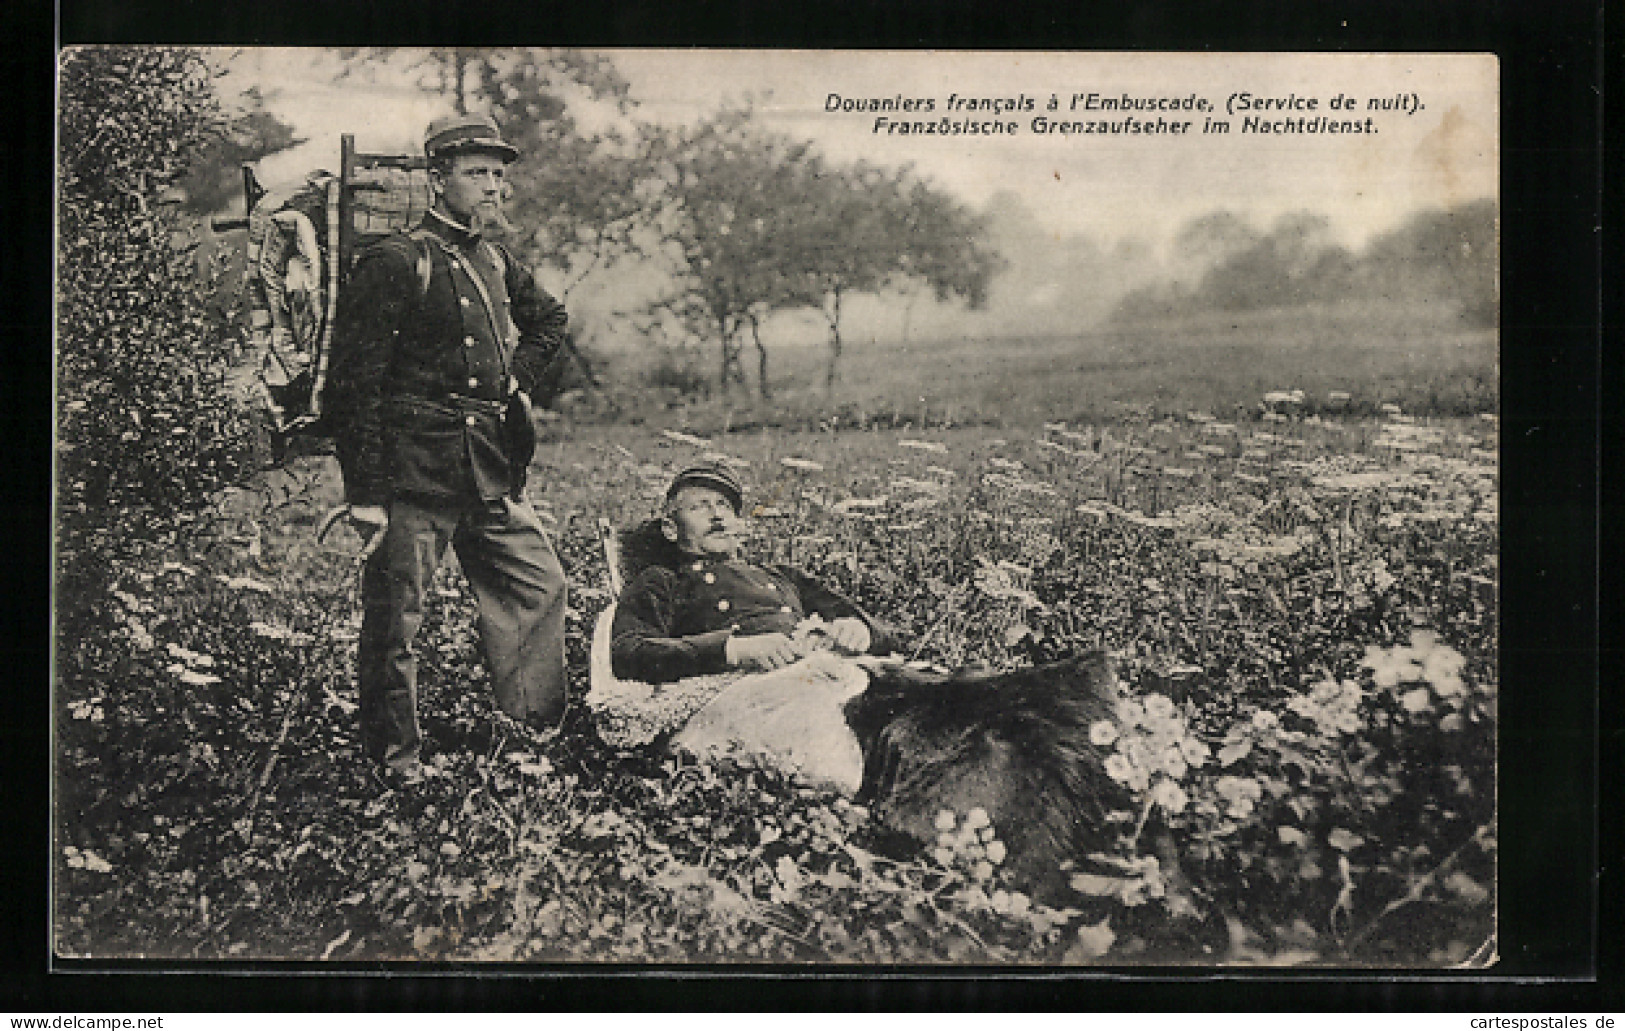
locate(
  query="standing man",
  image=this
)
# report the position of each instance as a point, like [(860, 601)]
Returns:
[(441, 336)]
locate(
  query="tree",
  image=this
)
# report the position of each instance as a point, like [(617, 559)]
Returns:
[(735, 199), (214, 180), (880, 229), (147, 429)]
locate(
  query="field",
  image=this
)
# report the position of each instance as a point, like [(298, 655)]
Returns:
[(1298, 592), (1419, 359)]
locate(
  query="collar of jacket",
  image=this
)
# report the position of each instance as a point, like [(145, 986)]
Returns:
[(450, 231)]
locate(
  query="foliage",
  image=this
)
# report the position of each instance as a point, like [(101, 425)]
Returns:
[(871, 228), (1302, 610), (147, 430), (736, 198), (758, 222), (214, 181), (1442, 257)]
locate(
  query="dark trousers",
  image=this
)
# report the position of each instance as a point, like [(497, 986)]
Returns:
[(519, 585)]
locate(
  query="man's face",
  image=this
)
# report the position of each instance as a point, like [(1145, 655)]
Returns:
[(704, 522), (471, 189)]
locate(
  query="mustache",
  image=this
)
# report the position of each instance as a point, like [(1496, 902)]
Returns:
[(494, 221)]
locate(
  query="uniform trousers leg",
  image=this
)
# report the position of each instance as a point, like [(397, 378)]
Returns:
[(393, 585), (520, 587)]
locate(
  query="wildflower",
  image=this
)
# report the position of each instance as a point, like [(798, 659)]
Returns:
[(803, 464), (1240, 794), (1170, 796), (1416, 700), (924, 445), (1194, 751), (1102, 733), (995, 852), (945, 820), (1266, 721), (1159, 707), (1173, 763), (1118, 767), (1389, 667)]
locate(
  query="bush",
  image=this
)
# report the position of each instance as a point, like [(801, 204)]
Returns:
[(147, 428)]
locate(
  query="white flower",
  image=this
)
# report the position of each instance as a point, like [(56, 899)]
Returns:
[(1118, 768), (1170, 796), (1102, 733), (1159, 707)]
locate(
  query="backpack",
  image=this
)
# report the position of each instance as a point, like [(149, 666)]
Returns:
[(295, 268), (291, 289)]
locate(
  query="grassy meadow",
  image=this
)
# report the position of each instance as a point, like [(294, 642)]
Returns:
[(1298, 591), (1422, 360)]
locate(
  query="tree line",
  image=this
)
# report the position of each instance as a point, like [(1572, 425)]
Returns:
[(1446, 257)]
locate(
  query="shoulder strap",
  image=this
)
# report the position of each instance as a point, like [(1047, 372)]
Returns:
[(425, 265)]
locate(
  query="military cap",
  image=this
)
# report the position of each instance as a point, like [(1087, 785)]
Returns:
[(466, 134), (710, 474)]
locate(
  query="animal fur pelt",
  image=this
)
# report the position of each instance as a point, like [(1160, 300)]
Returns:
[(1015, 744)]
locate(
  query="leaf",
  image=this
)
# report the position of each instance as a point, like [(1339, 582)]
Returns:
[(1234, 752), (1292, 836), (1095, 884), (1344, 840), (1094, 940), (1465, 888)]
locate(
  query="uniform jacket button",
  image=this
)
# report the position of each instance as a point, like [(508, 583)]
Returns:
[(710, 578), (471, 420), (473, 382), (468, 341), (723, 606)]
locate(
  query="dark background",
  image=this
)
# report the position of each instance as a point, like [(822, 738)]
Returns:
[(1560, 492)]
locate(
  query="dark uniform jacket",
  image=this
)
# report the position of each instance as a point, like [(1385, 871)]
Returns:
[(418, 378), (674, 622)]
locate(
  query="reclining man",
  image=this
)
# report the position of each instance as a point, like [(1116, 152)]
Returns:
[(714, 612)]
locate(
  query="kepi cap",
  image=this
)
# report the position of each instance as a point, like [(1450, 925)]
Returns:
[(710, 474), (466, 134)]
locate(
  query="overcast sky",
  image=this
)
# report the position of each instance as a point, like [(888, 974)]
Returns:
[(1109, 187)]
